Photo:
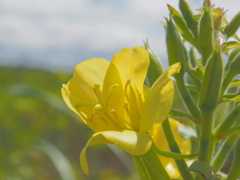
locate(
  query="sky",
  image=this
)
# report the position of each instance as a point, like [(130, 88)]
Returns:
[(59, 34)]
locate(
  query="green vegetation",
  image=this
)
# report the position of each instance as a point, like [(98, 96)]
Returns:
[(41, 138)]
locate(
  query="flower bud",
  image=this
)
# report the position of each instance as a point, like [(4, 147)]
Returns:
[(233, 70), (233, 26), (155, 68), (182, 26), (211, 84), (206, 34), (175, 47), (188, 16), (230, 58)]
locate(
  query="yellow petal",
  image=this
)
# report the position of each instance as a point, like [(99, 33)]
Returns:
[(86, 74), (160, 141), (133, 64), (132, 142), (159, 99), (117, 99), (65, 95), (80, 87), (135, 104)]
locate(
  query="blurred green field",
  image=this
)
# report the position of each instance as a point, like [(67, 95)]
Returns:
[(41, 138)]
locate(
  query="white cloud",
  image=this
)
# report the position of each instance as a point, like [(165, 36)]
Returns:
[(37, 26)]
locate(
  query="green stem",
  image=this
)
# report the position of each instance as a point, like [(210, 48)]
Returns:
[(234, 172), (154, 165), (190, 104), (228, 122), (173, 155), (206, 145), (142, 170), (181, 164), (223, 152), (226, 81), (175, 112)]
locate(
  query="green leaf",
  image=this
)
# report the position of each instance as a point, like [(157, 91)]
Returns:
[(155, 68), (187, 13), (228, 132), (230, 45), (235, 82), (233, 25), (187, 132), (197, 71), (182, 26), (179, 114), (203, 169), (191, 87), (174, 155), (44, 96), (230, 97), (61, 163), (236, 37)]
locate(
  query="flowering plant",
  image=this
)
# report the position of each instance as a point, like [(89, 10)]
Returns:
[(127, 101)]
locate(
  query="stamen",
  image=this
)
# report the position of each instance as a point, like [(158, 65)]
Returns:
[(79, 105), (98, 93), (96, 108), (111, 91), (129, 81), (104, 104), (87, 119), (99, 115)]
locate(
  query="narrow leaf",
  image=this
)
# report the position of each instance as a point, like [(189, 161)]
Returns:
[(235, 82), (180, 114), (203, 169), (61, 163)]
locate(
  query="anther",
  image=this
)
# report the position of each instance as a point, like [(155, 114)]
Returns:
[(96, 108), (79, 105), (111, 91)]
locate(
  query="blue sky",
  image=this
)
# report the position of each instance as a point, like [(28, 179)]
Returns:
[(58, 34)]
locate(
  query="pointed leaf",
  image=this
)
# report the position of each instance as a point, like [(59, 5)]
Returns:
[(180, 114), (235, 82), (197, 71), (60, 161), (230, 45), (203, 169), (182, 26), (230, 97)]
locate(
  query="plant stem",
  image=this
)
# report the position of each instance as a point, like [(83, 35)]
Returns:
[(142, 170), (206, 145), (181, 164), (174, 155), (155, 168), (229, 121), (223, 152), (234, 171), (190, 104)]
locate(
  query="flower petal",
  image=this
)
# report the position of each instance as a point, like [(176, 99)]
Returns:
[(159, 99), (133, 64), (80, 87), (86, 74), (160, 141), (65, 95), (117, 99), (132, 142)]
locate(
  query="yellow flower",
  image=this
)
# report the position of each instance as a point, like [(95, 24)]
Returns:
[(161, 142), (110, 99)]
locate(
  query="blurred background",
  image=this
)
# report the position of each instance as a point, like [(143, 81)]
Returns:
[(40, 43)]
